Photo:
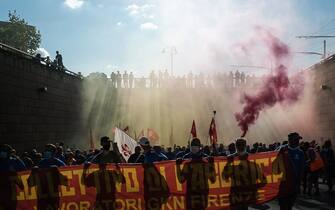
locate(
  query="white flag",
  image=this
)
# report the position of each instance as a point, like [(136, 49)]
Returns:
[(125, 143)]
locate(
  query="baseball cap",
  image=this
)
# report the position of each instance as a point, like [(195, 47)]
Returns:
[(240, 141), (195, 142), (144, 141), (294, 136), (105, 139)]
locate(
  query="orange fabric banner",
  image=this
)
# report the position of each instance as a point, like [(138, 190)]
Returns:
[(317, 164), (207, 184)]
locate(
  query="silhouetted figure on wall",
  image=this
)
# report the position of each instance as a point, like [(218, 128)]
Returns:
[(246, 178), (247, 80), (59, 61), (166, 78), (231, 79), (225, 80), (196, 173), (47, 182), (242, 78), (201, 80), (152, 80), (38, 58), (190, 80), (237, 78), (131, 80), (156, 189), (183, 82), (104, 181), (118, 79), (113, 78), (47, 61), (125, 79), (8, 183), (160, 79)]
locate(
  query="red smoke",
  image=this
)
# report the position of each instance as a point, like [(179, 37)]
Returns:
[(276, 88)]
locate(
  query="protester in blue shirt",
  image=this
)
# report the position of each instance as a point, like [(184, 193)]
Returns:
[(297, 161), (159, 152), (149, 155), (170, 155), (9, 163), (60, 153), (49, 158)]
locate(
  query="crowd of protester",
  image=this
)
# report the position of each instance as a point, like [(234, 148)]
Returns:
[(56, 64), (302, 154), (162, 79)]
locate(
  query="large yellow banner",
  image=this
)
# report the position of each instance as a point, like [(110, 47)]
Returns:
[(213, 183)]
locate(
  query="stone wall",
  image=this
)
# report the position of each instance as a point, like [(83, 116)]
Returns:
[(38, 104), (324, 87)]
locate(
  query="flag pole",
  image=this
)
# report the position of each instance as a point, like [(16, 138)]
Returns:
[(213, 145)]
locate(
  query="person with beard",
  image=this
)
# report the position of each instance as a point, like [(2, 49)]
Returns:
[(197, 173), (106, 155)]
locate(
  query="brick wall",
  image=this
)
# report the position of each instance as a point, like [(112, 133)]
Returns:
[(29, 116)]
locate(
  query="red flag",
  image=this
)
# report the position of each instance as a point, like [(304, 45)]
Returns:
[(171, 136), (212, 132), (193, 130), (152, 135), (91, 140)]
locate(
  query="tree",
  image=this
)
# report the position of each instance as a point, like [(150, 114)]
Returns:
[(18, 34)]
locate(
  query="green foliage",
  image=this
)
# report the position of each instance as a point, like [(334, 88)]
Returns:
[(18, 34)]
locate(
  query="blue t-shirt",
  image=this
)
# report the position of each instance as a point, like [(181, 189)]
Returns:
[(198, 155), (297, 160), (50, 162), (152, 156), (12, 165)]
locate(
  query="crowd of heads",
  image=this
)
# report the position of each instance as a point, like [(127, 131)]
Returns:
[(162, 79), (301, 154)]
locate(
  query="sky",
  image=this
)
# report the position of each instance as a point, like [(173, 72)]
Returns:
[(110, 35)]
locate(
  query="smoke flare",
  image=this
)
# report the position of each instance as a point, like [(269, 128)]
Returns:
[(276, 88)]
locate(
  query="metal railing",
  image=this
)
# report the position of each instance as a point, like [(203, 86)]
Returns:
[(31, 57)]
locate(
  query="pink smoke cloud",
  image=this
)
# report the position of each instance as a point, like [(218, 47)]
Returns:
[(276, 88)]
